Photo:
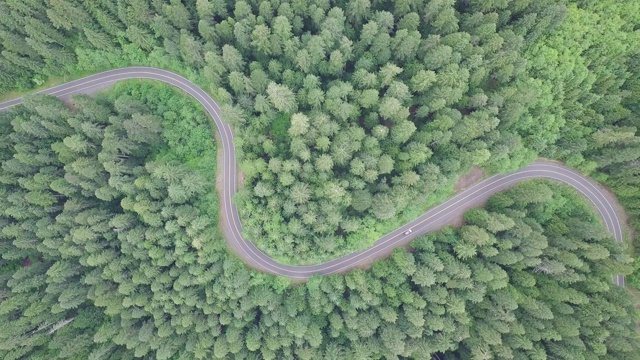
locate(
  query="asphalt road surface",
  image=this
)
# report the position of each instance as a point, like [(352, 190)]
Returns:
[(433, 219)]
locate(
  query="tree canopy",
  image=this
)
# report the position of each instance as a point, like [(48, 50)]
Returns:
[(388, 101), (110, 250), (350, 118)]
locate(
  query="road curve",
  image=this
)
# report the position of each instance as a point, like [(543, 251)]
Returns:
[(433, 219)]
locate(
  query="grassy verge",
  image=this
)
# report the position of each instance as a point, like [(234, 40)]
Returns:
[(50, 82)]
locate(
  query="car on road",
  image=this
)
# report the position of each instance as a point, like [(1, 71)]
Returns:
[(408, 232)]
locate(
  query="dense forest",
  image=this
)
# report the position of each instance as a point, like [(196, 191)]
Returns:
[(94, 201), (351, 117), (110, 250)]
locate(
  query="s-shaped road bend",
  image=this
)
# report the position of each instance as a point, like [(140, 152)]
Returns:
[(433, 219)]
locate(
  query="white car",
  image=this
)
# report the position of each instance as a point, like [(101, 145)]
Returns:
[(408, 232)]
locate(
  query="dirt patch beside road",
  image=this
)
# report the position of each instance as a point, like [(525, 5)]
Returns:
[(476, 174), (240, 181), (472, 177)]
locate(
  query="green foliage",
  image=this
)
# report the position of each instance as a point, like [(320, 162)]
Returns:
[(589, 72), (453, 85), (148, 276), (121, 178), (279, 128), (547, 291), (350, 117), (366, 83)]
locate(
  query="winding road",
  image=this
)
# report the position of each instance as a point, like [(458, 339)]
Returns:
[(433, 219)]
